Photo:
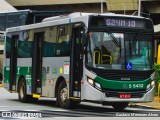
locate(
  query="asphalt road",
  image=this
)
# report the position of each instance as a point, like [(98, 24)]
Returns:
[(10, 108)]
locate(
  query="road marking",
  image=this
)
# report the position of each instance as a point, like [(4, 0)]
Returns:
[(17, 106)]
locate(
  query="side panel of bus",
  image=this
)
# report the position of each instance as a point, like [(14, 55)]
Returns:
[(56, 60), (17, 60), (41, 58)]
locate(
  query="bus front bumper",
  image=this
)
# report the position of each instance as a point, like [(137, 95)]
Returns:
[(147, 97), (92, 94)]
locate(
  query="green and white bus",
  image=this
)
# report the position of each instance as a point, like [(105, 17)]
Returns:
[(105, 58)]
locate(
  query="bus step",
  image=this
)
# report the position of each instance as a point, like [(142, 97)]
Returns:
[(36, 96), (74, 98)]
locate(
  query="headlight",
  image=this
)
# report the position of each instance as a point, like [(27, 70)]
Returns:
[(91, 81), (152, 83), (149, 86), (97, 85)]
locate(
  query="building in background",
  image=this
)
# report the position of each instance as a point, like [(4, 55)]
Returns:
[(69, 5), (5, 6), (148, 7)]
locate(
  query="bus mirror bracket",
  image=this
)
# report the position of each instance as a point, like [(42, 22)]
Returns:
[(84, 40)]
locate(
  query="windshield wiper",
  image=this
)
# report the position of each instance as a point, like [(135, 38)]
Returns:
[(114, 39), (135, 39)]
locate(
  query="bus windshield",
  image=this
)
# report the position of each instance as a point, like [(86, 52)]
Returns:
[(132, 51)]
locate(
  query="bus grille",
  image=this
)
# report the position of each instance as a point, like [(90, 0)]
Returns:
[(122, 74)]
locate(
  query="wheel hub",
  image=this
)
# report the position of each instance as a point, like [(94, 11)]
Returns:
[(64, 95), (21, 91)]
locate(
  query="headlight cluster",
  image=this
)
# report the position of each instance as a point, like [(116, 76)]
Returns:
[(94, 84), (149, 86), (152, 83)]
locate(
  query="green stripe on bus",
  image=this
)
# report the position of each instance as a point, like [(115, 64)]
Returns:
[(25, 71), (122, 85), (22, 71)]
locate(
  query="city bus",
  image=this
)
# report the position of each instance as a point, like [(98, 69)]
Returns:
[(106, 58)]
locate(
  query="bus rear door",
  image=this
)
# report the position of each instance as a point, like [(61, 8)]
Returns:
[(37, 63)]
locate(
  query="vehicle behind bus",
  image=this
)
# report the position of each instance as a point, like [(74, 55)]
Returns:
[(2, 38)]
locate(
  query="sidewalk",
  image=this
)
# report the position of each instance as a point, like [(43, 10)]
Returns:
[(155, 104)]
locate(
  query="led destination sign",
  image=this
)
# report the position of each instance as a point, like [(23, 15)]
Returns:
[(124, 23)]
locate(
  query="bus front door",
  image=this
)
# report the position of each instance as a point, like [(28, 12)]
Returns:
[(13, 63), (76, 63), (37, 63)]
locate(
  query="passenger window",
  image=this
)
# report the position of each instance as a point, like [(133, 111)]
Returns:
[(50, 42), (25, 45), (64, 36)]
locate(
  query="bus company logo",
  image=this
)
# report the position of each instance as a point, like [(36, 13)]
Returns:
[(125, 78), (125, 86), (21, 115), (6, 114)]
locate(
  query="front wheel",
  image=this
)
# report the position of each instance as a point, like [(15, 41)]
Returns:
[(119, 105), (62, 96)]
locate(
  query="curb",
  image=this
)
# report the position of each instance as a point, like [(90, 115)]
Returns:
[(144, 106)]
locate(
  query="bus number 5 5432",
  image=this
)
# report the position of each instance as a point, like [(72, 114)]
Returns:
[(134, 86)]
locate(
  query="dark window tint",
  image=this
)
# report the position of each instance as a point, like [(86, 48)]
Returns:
[(64, 38), (24, 49), (8, 47)]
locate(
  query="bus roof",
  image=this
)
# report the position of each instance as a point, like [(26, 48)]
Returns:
[(72, 15), (78, 14), (63, 19)]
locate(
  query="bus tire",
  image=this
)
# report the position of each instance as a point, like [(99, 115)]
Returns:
[(62, 96), (22, 95), (22, 91), (118, 106)]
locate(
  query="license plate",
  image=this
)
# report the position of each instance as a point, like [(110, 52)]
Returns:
[(124, 96)]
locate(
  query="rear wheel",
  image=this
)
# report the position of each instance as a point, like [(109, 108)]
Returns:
[(119, 105), (22, 94), (62, 96)]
